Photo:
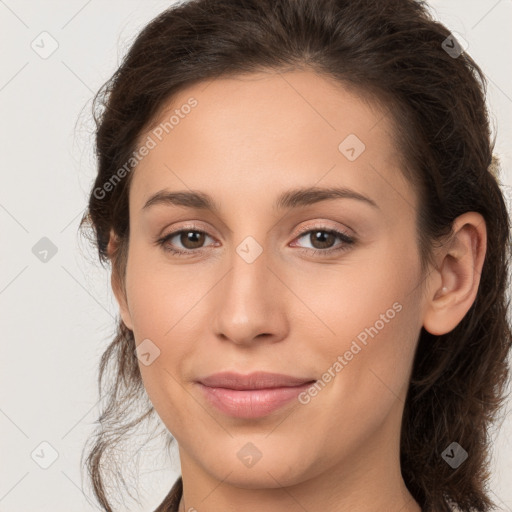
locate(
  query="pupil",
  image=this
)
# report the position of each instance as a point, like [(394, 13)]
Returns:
[(320, 236), (192, 237)]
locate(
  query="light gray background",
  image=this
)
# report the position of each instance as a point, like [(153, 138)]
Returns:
[(57, 317)]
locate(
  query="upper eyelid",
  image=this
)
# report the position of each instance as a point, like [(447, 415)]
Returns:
[(322, 227), (302, 232), (310, 224), (318, 226)]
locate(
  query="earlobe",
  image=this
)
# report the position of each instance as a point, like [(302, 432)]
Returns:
[(115, 280), (456, 279), (121, 300)]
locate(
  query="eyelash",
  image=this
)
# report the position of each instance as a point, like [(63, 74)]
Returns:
[(347, 241)]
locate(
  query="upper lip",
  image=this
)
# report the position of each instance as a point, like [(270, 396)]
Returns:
[(255, 380)]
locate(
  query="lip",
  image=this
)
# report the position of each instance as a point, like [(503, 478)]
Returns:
[(251, 396)]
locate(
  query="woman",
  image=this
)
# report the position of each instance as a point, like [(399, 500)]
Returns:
[(309, 252)]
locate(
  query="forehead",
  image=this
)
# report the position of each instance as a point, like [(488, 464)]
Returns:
[(266, 131)]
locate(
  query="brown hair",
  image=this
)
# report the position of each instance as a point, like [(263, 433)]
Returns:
[(393, 52)]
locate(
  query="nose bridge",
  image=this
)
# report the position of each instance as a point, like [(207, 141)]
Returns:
[(248, 300), (247, 284)]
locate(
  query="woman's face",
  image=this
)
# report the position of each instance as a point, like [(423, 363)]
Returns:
[(270, 286)]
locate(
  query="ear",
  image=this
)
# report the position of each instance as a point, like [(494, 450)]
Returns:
[(453, 285), (116, 280)]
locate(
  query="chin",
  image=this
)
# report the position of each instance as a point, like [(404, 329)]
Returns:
[(264, 478), (271, 471)]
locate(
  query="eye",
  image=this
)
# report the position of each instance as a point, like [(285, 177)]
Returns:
[(322, 240), (191, 239)]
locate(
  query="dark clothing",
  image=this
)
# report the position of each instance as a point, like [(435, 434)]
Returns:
[(172, 500)]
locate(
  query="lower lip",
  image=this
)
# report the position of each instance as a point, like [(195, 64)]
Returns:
[(251, 403)]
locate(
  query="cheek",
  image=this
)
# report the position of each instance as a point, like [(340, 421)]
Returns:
[(366, 369), (158, 295), (167, 306), (372, 341), (371, 312), (362, 311), (360, 296)]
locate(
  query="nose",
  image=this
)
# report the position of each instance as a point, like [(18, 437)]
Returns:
[(250, 301)]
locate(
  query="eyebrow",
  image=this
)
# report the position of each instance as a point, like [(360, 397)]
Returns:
[(294, 198)]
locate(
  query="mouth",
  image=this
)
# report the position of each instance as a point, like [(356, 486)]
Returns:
[(251, 396)]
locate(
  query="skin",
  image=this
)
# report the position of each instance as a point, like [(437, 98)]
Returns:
[(290, 311)]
